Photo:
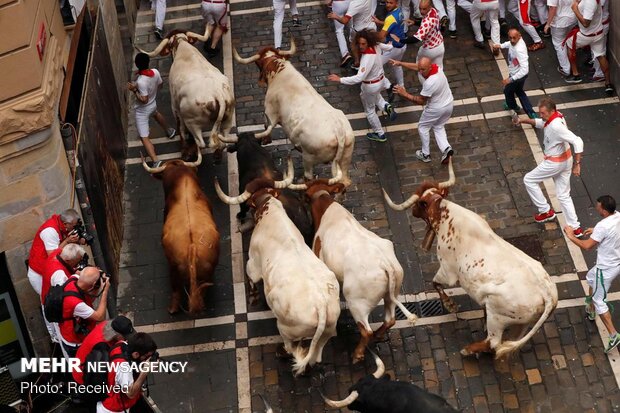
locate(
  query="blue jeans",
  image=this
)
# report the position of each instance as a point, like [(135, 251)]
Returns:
[(516, 88)]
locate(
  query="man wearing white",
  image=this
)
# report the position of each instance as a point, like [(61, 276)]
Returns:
[(278, 19), (557, 165), (589, 32), (560, 22), (605, 236), (451, 9), (393, 24), (491, 9), (436, 97), (373, 80), (159, 7), (214, 13), (360, 15), (521, 10), (599, 75), (339, 8)]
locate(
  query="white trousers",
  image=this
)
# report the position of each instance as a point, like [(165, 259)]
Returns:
[(502, 9), (51, 327), (435, 54), (600, 284), (558, 34), (522, 14), (340, 7), (371, 98), (436, 120), (159, 6), (278, 18), (540, 6), (397, 71), (560, 173), (491, 9), (451, 10), (598, 72)]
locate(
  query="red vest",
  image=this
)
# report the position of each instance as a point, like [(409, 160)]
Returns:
[(118, 402), (92, 339), (68, 305), (38, 253), (52, 264)]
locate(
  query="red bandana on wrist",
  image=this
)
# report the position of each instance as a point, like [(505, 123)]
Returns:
[(434, 71), (146, 72), (555, 114), (369, 50)]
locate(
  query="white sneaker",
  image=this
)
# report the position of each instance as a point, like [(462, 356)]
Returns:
[(171, 133)]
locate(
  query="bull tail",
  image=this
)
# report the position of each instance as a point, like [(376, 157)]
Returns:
[(341, 139), (195, 291), (217, 125), (507, 347), (303, 360), (412, 318)]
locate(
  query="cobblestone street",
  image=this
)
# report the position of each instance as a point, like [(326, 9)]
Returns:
[(231, 346)]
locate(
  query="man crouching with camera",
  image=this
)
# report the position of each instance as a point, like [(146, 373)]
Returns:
[(125, 391), (78, 315)]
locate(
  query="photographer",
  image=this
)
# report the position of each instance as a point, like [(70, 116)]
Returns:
[(79, 317), (55, 233), (140, 347), (59, 266)]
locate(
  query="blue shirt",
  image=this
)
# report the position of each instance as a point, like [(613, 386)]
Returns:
[(395, 24)]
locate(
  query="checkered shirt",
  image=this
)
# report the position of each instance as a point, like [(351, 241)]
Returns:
[(430, 32)]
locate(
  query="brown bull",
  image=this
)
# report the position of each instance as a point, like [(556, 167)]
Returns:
[(190, 237)]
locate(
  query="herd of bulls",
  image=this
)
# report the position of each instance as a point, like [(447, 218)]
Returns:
[(306, 248)]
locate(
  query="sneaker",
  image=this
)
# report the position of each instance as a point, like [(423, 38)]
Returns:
[(390, 93), (296, 22), (536, 46), (609, 89), (422, 156), (445, 156), (444, 23), (598, 78), (212, 52), (346, 59), (578, 232), (374, 136), (389, 110), (480, 45), (590, 313), (503, 22), (355, 67), (157, 164), (452, 34), (541, 31), (573, 79), (560, 71), (533, 115), (545, 216), (158, 33), (506, 107), (171, 133), (613, 342)]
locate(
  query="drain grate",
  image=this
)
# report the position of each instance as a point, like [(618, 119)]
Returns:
[(426, 308)]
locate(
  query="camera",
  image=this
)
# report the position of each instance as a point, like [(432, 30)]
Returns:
[(80, 327), (100, 280), (81, 232), (83, 262), (155, 356)]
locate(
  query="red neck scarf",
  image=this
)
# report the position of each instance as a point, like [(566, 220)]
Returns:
[(434, 71), (369, 50), (555, 114), (146, 72)]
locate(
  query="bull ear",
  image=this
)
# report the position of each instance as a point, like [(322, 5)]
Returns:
[(276, 193), (422, 204), (337, 188), (192, 40), (165, 51)]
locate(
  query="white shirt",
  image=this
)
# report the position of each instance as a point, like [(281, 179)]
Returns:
[(437, 90), (361, 15), (564, 15), (557, 137), (605, 5), (591, 10), (607, 234), (123, 378), (58, 278), (50, 238), (518, 60), (371, 66), (148, 86)]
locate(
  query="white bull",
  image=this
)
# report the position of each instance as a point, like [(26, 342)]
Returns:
[(364, 263), (513, 288), (300, 290), (322, 133), (200, 94)]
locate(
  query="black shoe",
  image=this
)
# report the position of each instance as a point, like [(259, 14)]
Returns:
[(212, 52), (480, 45), (573, 79), (503, 22), (609, 89), (346, 60), (158, 33), (452, 34), (296, 22), (443, 23)]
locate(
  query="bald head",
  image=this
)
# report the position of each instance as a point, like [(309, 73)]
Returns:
[(425, 7), (88, 278), (424, 66)]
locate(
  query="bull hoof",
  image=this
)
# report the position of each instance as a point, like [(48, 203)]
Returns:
[(173, 309), (281, 353)]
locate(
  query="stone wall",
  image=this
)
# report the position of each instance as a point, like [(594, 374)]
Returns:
[(613, 44)]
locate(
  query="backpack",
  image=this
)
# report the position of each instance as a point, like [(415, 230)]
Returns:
[(54, 301), (100, 353)]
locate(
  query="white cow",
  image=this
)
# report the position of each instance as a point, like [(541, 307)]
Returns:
[(514, 289), (364, 263), (201, 95), (322, 133), (300, 290)]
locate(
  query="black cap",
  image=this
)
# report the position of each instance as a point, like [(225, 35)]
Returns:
[(122, 325)]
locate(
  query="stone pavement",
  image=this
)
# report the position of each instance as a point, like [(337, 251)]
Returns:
[(231, 346)]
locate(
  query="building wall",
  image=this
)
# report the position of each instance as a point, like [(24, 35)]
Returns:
[(614, 42)]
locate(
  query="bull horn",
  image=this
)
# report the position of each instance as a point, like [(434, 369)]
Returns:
[(380, 366), (229, 199), (400, 207), (336, 178), (229, 138), (288, 176), (339, 404), (157, 50), (451, 180), (195, 163), (201, 37), (266, 403), (246, 60), (290, 51), (152, 170), (298, 187)]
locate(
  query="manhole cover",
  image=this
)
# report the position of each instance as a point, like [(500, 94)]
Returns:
[(529, 244), (412, 307), (427, 308)]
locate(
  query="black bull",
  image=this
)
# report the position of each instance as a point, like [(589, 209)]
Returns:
[(255, 162)]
